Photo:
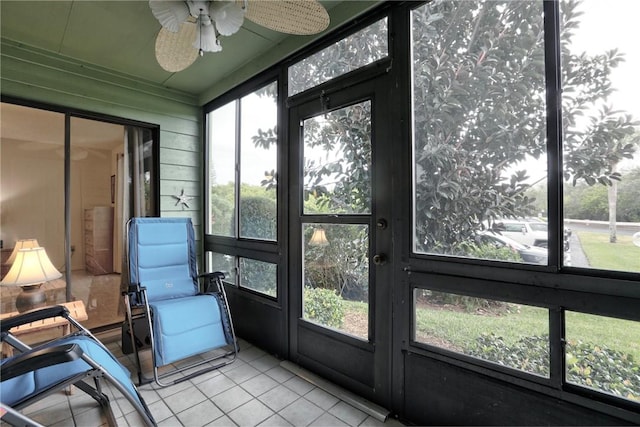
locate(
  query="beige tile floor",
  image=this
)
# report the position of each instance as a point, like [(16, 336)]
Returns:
[(255, 390)]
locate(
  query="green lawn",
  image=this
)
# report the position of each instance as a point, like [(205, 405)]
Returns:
[(461, 328), (616, 334), (621, 256)]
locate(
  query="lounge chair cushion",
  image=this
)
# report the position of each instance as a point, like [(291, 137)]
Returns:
[(23, 387), (187, 326)]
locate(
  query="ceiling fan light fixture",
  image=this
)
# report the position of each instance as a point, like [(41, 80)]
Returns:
[(227, 15), (170, 14), (206, 40)]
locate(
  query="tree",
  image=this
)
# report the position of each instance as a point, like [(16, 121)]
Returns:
[(584, 201), (480, 92), (473, 62), (479, 110), (628, 206)]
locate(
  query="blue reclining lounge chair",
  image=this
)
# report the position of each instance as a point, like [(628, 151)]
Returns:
[(35, 373), (164, 297)]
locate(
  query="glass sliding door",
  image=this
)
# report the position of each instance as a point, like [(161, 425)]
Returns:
[(70, 183), (32, 193), (94, 147)]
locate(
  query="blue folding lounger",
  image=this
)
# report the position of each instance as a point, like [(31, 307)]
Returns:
[(35, 373), (164, 292)]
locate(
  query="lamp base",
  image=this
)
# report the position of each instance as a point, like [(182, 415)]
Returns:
[(30, 298)]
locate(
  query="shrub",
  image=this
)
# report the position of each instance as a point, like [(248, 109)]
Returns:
[(603, 369), (489, 251), (464, 302), (258, 218), (529, 354), (259, 276), (323, 306), (587, 364)]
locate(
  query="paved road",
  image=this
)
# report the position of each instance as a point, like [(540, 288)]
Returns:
[(578, 258), (601, 227)]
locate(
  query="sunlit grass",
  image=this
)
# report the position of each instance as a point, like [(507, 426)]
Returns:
[(616, 334), (356, 306), (461, 328), (620, 256)]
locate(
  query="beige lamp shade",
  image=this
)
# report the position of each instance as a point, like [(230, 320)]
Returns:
[(319, 238), (21, 244), (31, 266)]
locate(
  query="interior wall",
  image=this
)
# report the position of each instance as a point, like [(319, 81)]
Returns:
[(36, 209), (32, 188), (31, 75)]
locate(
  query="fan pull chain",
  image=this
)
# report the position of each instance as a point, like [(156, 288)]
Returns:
[(200, 51)]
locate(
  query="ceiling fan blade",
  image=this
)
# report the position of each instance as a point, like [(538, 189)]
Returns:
[(228, 16), (170, 14), (174, 51), (300, 17)]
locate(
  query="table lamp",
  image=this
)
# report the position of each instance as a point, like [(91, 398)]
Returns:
[(30, 269), (21, 244), (319, 238)]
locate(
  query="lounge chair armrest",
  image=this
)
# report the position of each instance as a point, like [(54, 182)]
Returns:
[(134, 288), (215, 274), (32, 316), (210, 278), (37, 359)]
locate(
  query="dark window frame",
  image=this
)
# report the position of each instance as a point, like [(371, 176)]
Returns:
[(556, 287), (268, 251)]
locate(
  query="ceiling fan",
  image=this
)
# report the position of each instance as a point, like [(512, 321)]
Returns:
[(191, 28)]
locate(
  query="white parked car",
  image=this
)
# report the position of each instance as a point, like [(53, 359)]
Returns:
[(528, 254), (529, 233)]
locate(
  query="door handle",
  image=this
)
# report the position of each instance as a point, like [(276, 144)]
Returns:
[(379, 259)]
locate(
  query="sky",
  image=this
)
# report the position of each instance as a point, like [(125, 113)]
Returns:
[(614, 24), (607, 25), (258, 113)]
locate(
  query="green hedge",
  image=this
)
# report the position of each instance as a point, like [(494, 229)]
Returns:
[(323, 306), (587, 364)]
